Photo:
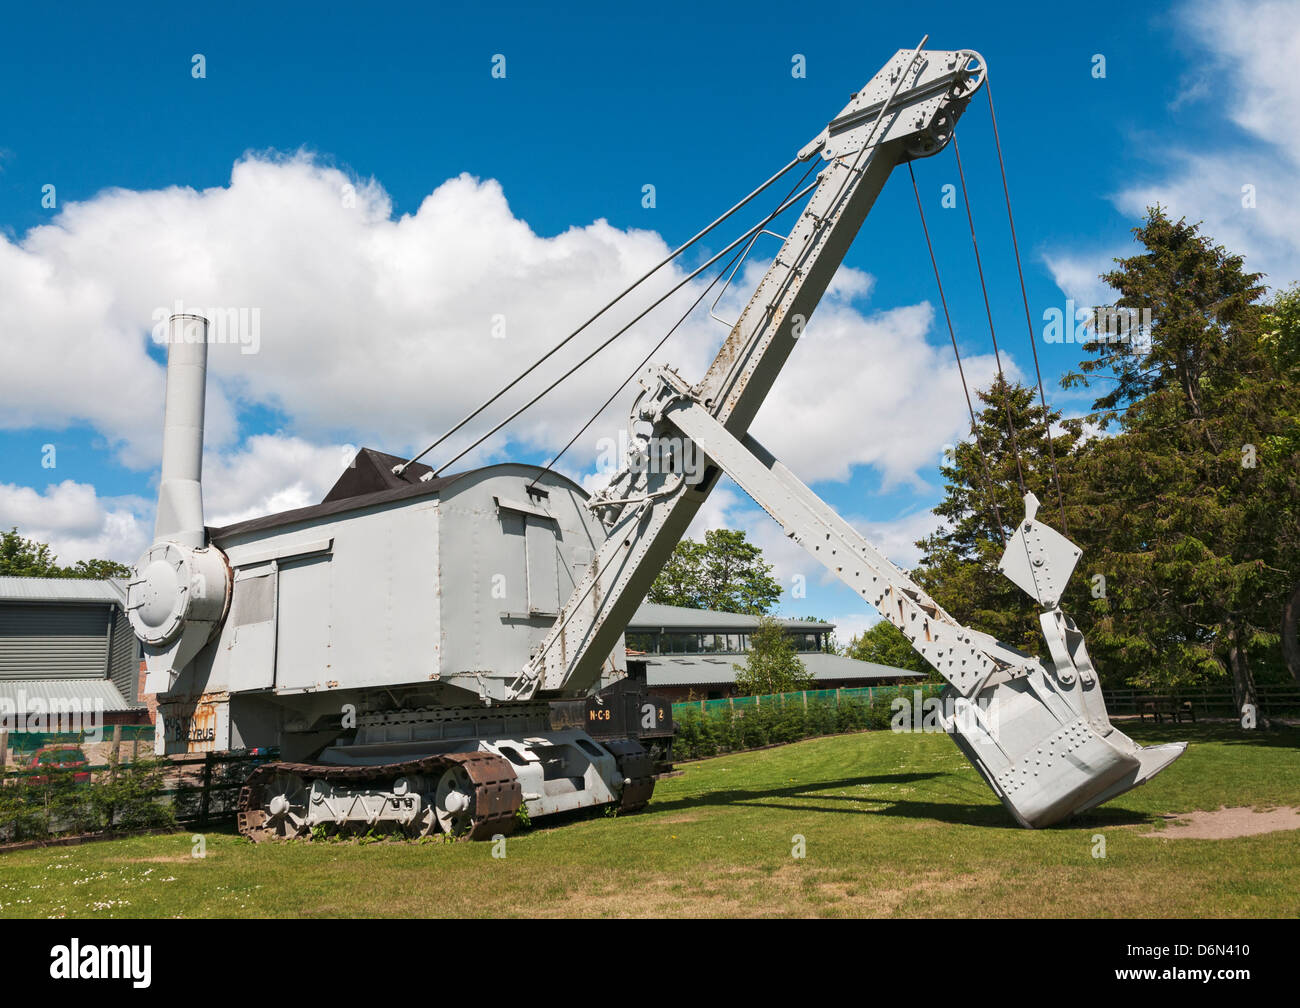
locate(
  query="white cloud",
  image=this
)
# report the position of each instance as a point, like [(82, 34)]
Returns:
[(380, 331), (367, 326), (869, 391), (897, 538), (864, 388), (76, 522), (1257, 44), (1078, 277), (849, 284), (1243, 190), (270, 473)]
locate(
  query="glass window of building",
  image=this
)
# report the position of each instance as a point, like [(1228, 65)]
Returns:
[(647, 642)]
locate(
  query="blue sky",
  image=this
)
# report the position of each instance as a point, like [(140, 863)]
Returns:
[(596, 103)]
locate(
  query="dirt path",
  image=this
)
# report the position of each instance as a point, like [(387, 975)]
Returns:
[(1227, 823)]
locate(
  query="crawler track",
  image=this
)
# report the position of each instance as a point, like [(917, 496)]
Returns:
[(497, 795)]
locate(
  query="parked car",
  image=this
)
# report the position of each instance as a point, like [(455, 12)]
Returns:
[(60, 757)]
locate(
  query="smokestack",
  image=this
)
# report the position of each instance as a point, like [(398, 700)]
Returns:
[(180, 493)]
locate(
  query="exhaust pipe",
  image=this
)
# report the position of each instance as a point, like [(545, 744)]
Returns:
[(180, 492), (179, 592)]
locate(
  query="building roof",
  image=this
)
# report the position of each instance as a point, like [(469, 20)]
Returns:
[(16, 694), (652, 616), (711, 670), (38, 589), (369, 481)]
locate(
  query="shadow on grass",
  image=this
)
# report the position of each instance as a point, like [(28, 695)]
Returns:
[(1223, 732), (737, 796), (219, 827), (981, 810), (769, 798)]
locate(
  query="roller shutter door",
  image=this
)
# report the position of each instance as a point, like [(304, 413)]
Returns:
[(54, 641)]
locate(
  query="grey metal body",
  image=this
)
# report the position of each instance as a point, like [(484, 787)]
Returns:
[(365, 626), (368, 629), (414, 600)]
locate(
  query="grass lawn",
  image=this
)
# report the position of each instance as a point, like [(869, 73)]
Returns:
[(893, 825)]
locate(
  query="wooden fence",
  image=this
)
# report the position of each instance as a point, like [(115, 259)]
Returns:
[(201, 789), (205, 787), (1274, 701)]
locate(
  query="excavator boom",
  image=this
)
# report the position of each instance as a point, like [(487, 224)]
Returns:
[(907, 110)]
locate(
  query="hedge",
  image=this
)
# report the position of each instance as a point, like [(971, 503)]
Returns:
[(39, 804), (723, 730)]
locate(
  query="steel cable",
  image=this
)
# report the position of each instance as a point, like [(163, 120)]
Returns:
[(1033, 343), (988, 310), (658, 301), (961, 371), (546, 356), (657, 347)]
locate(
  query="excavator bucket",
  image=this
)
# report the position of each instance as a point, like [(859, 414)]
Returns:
[(1044, 764), (1041, 735)]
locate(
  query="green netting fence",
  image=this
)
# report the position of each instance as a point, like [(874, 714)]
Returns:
[(23, 743), (713, 727)]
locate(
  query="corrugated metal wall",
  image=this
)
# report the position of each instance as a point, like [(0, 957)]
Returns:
[(124, 664), (54, 641)]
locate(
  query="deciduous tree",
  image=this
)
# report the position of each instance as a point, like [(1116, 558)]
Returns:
[(772, 665), (726, 572)]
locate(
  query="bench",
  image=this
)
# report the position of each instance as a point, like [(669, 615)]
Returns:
[(1162, 707)]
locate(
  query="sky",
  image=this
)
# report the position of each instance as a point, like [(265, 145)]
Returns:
[(411, 202)]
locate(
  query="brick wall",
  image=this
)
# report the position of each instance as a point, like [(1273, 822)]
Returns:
[(148, 699)]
